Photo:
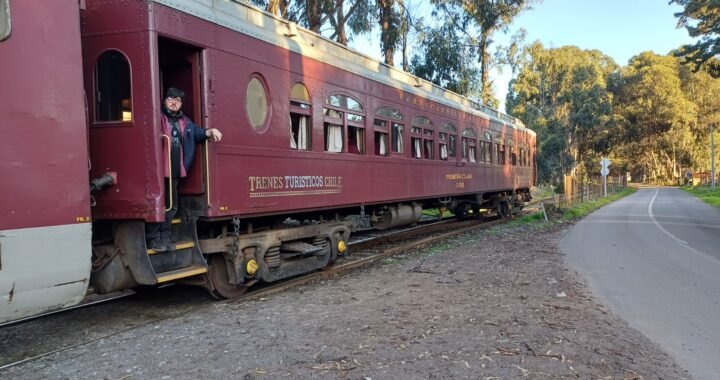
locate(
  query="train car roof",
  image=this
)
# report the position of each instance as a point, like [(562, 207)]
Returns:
[(264, 26)]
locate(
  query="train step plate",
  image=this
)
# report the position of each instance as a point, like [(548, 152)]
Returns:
[(180, 273), (179, 246), (298, 248)]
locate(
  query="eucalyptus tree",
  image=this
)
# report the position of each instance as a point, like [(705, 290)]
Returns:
[(479, 20), (701, 18), (562, 94), (704, 92), (656, 116), (447, 59)]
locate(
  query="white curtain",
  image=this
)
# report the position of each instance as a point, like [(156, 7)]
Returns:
[(416, 147), (334, 138), (471, 153), (359, 140), (383, 145), (429, 148), (302, 133), (443, 152), (398, 132), (293, 144)]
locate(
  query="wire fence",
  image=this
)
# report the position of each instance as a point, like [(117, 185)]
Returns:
[(575, 192), (592, 188)]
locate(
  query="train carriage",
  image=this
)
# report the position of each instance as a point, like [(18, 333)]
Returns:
[(319, 141), (45, 229)]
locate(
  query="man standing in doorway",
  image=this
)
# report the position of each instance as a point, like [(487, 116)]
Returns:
[(184, 136)]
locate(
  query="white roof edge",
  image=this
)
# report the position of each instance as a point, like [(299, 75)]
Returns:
[(249, 20)]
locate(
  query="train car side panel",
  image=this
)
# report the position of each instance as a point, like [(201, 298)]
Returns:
[(45, 231), (47, 268)]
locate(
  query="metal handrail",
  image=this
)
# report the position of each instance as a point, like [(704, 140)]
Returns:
[(207, 172), (170, 186)]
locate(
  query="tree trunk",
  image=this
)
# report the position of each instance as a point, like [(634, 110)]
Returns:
[(386, 9), (278, 7), (314, 15), (486, 94), (340, 16)]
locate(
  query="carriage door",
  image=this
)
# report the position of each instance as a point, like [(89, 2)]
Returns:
[(180, 67)]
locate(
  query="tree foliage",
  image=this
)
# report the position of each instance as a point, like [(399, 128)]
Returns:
[(478, 20), (445, 62), (562, 95), (701, 18)]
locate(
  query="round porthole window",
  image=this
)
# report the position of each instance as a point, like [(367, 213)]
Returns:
[(256, 104)]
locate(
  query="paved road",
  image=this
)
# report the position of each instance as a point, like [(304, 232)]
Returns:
[(654, 258)]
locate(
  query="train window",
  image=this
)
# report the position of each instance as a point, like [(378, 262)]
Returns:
[(469, 152), (299, 93), (346, 117), (343, 101), (416, 142), (384, 117), (113, 95), (512, 154), (421, 121), (397, 137), (381, 137), (389, 112), (442, 141), (333, 138), (500, 151), (356, 139), (428, 144), (452, 138), (418, 147), (256, 103), (5, 24), (300, 112), (486, 148)]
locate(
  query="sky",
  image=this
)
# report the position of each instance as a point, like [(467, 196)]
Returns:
[(618, 28)]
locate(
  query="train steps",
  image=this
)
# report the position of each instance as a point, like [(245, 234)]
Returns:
[(183, 259), (149, 267)]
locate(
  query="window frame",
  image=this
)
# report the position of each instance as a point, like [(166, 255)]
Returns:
[(268, 103), (419, 125), (5, 20), (345, 122), (301, 108), (452, 133), (391, 118), (469, 143), (97, 91)]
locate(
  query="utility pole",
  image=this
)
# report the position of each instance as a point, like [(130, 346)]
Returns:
[(712, 155)]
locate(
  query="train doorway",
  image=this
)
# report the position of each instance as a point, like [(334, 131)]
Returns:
[(180, 67)]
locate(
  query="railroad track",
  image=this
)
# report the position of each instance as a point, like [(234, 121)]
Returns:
[(365, 252)]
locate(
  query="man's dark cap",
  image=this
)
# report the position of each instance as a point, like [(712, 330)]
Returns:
[(173, 92)]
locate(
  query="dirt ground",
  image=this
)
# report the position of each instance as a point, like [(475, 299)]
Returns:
[(497, 304)]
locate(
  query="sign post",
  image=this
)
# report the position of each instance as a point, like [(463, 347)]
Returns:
[(604, 171)]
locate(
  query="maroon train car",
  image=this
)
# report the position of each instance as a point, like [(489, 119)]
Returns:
[(45, 230), (318, 140)]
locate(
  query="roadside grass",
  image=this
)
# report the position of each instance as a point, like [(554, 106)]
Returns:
[(705, 194), (542, 192), (585, 208), (562, 215)]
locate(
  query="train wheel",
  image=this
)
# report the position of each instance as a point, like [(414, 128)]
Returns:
[(219, 280), (503, 209)]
